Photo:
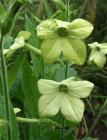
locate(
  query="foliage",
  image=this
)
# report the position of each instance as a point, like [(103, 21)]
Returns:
[(43, 44)]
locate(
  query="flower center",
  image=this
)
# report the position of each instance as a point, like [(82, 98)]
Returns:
[(98, 49), (62, 31), (63, 88)]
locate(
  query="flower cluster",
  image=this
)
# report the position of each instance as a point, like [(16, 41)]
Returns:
[(67, 38)]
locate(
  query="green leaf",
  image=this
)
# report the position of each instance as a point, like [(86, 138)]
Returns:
[(30, 27), (90, 138), (14, 70), (7, 41), (2, 12), (47, 9), (15, 132), (3, 128), (36, 60), (29, 87), (60, 4)]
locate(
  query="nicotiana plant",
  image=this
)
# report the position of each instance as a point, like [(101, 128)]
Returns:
[(64, 40), (58, 40)]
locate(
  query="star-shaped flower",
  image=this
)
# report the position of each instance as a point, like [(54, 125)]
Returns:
[(98, 53), (64, 96), (60, 37)]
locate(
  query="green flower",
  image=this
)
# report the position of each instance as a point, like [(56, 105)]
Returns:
[(98, 54), (64, 96), (19, 42), (64, 37)]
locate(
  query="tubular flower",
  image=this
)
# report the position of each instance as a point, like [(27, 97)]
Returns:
[(98, 54), (64, 96), (60, 37), (19, 42)]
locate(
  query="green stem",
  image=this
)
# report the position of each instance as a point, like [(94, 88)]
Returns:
[(62, 129), (35, 120), (27, 46), (98, 96), (67, 9), (63, 120), (6, 91), (66, 72), (27, 120), (32, 48), (83, 8), (3, 122), (85, 124), (98, 118), (91, 108)]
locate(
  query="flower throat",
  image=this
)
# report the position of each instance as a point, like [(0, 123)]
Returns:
[(63, 88), (62, 31)]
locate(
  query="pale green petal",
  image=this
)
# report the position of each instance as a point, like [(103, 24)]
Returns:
[(61, 23), (80, 89), (47, 29), (98, 58), (5, 51), (103, 48), (19, 42), (68, 80), (93, 54), (25, 34), (51, 49), (17, 110), (72, 108), (74, 50), (49, 105), (80, 28), (60, 4), (47, 86), (94, 45), (104, 51)]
